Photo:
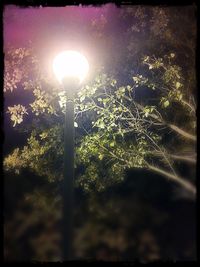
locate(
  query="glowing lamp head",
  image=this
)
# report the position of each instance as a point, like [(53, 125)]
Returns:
[(70, 64)]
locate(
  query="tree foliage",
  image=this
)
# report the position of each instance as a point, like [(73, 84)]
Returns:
[(122, 131)]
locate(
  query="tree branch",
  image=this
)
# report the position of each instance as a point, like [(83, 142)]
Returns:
[(172, 126), (188, 105), (182, 132), (183, 158), (187, 158), (186, 184)]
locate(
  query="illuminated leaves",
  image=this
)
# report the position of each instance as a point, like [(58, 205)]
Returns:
[(41, 103), (42, 154), (113, 82), (16, 69), (168, 81), (120, 92), (62, 100), (140, 80), (166, 103), (178, 84), (13, 161), (21, 53), (43, 135), (93, 152), (82, 98), (11, 80), (152, 62), (147, 110), (112, 144), (17, 113)]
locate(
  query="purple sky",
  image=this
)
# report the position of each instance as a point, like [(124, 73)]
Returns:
[(20, 24), (53, 29)]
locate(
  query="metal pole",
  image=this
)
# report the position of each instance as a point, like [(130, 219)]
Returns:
[(68, 183)]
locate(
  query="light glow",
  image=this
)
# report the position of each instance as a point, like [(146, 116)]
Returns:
[(70, 64)]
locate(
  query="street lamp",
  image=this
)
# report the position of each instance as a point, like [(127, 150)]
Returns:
[(70, 68)]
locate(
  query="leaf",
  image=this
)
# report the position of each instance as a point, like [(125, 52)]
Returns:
[(82, 98), (43, 135), (101, 156), (146, 58), (101, 125), (75, 124), (147, 110), (112, 144), (128, 88), (166, 103), (113, 82), (180, 96), (178, 85)]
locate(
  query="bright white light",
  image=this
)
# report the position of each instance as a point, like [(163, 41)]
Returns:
[(70, 64)]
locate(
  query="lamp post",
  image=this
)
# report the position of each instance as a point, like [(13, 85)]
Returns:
[(70, 68)]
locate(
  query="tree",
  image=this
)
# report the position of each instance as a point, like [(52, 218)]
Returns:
[(125, 125), (123, 223), (123, 131), (133, 135)]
